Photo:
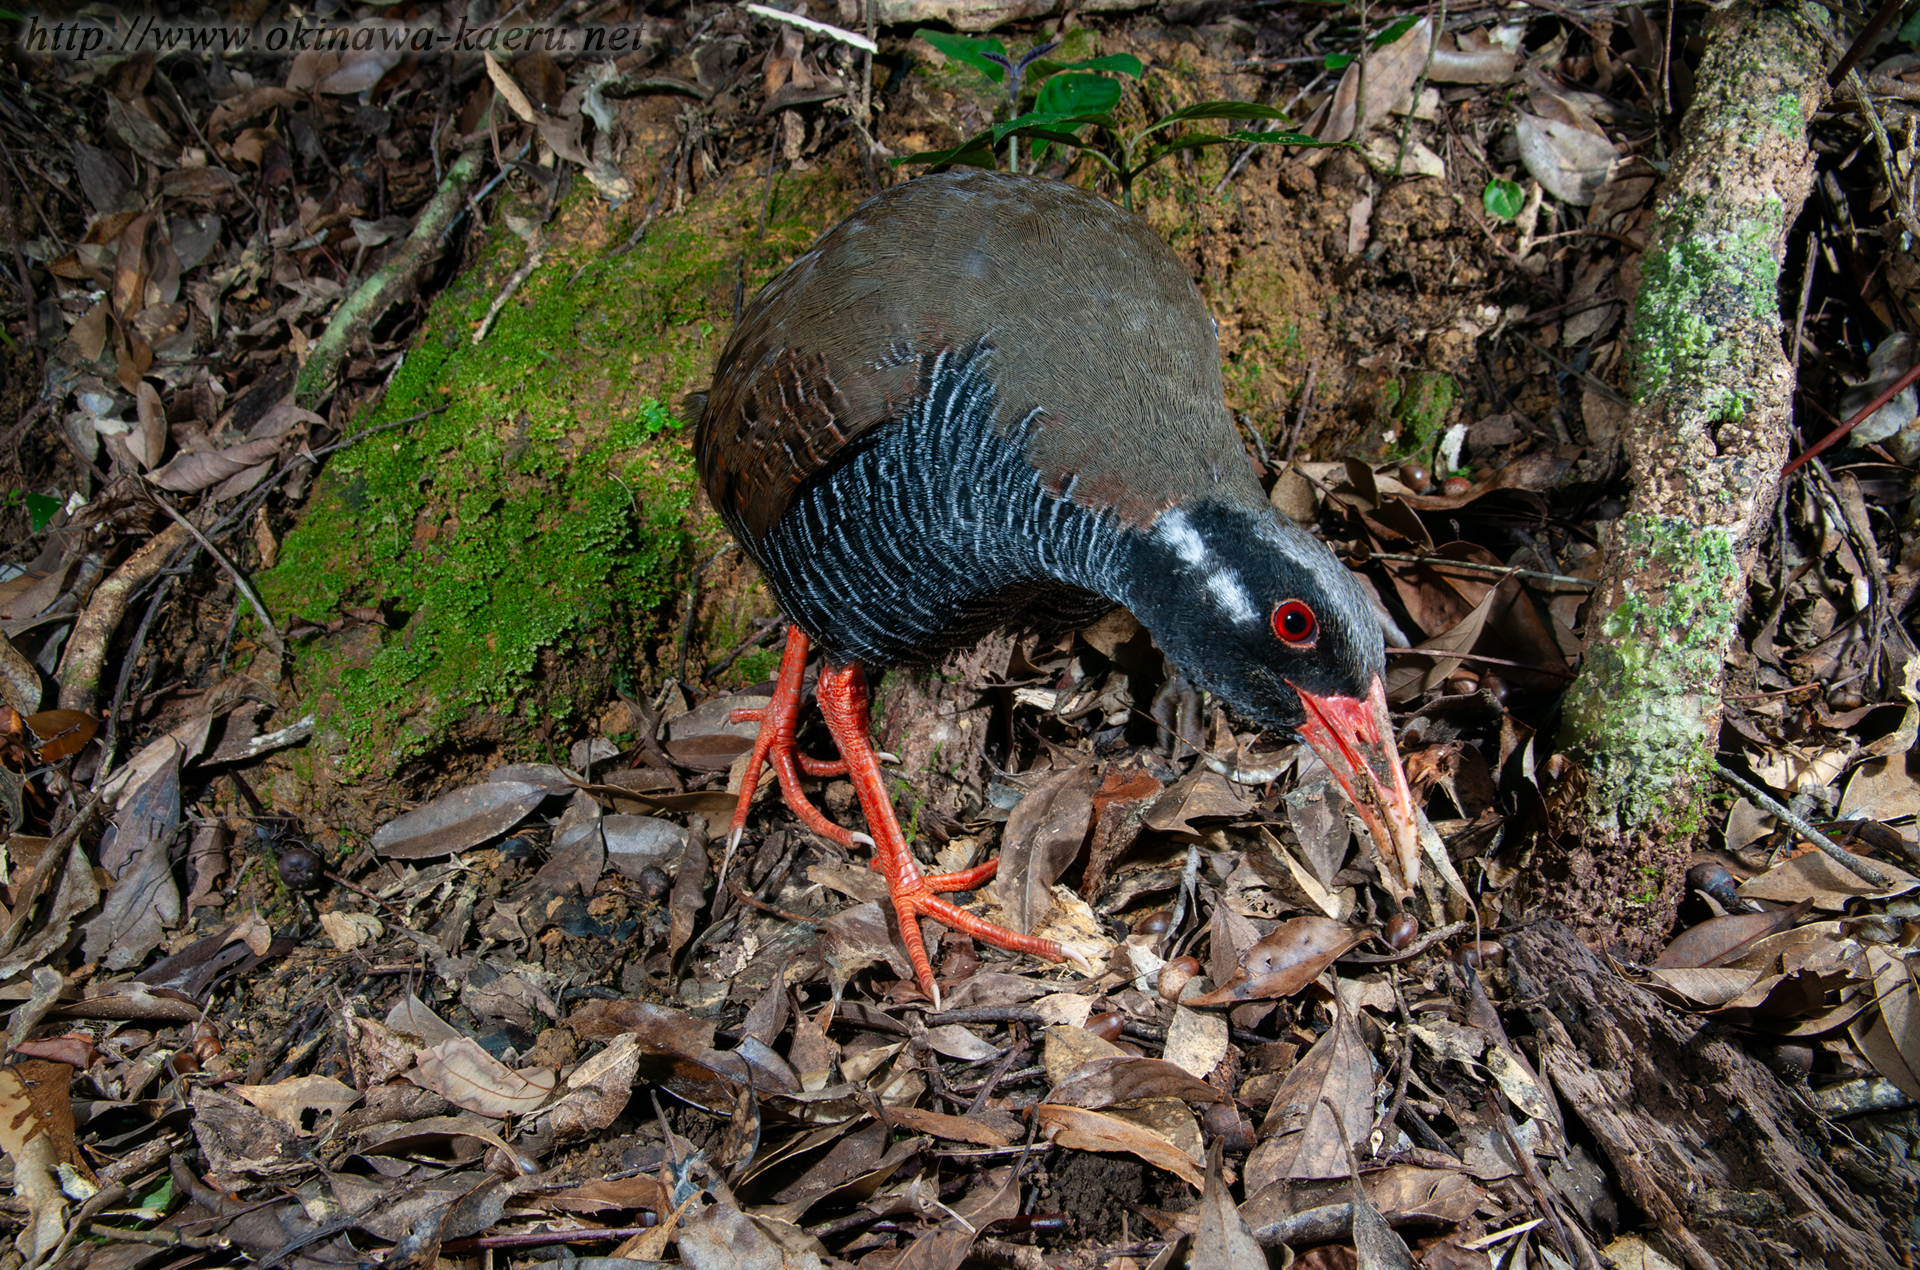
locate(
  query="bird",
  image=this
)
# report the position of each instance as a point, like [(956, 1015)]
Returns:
[(988, 399)]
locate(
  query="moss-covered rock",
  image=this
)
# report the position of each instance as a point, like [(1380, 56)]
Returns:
[(527, 542)]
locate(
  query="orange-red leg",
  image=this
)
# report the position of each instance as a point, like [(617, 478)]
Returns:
[(779, 722), (843, 700)]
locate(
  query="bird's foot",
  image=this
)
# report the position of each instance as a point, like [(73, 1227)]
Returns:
[(779, 722), (842, 691)]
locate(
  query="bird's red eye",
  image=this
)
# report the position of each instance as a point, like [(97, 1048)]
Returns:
[(1295, 624)]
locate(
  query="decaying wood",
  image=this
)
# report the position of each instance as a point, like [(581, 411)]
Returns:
[(1725, 1159), (1705, 440)]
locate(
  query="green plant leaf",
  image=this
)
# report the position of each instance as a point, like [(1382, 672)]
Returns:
[(1280, 137), (1077, 95), (973, 51), (1910, 30), (40, 510), (1118, 63), (1214, 110), (1395, 29), (1338, 61), (1503, 199)]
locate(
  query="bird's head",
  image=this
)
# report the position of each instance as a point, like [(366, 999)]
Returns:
[(1260, 613)]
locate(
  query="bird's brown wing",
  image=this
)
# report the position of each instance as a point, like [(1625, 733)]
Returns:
[(1099, 341)]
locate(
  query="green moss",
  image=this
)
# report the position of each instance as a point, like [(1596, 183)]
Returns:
[(1634, 715), (1416, 410), (542, 507), (1696, 297)]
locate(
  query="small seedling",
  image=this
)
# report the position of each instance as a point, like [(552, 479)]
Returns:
[(1064, 88), (1503, 199), (1064, 104)]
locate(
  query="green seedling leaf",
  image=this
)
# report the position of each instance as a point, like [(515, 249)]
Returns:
[(1214, 110), (40, 510), (1395, 29), (1118, 63), (1910, 30), (1338, 61), (1077, 95), (989, 57), (1503, 199), (1281, 137)]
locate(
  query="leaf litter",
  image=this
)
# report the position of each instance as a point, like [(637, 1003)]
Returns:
[(540, 1008)]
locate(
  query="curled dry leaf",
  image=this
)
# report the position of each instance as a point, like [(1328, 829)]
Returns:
[(1286, 961), (1104, 1082), (203, 469), (1719, 941), (597, 1091), (470, 1078), (1084, 1130)]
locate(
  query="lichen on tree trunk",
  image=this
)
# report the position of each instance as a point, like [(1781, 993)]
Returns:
[(1704, 444)]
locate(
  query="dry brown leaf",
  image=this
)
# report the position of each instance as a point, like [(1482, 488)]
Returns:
[(597, 1091), (1720, 941), (1569, 162), (1222, 1241), (474, 1080), (349, 931), (1103, 1082), (1305, 1138), (940, 1125), (1286, 961), (203, 469), (35, 1156), (456, 821), (1831, 886), (290, 1100), (1084, 1130), (1044, 833)]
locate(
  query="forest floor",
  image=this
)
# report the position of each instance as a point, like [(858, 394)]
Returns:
[(369, 651)]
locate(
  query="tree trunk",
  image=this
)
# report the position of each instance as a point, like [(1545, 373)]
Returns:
[(1704, 443)]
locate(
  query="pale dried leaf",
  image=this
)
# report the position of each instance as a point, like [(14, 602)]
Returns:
[(470, 1078), (1569, 162), (203, 469), (289, 1100), (349, 931), (454, 822)]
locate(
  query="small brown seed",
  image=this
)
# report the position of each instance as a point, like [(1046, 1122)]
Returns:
[(1154, 923), (1456, 486), (1416, 477), (1400, 930), (1482, 952), (1106, 1026), (1174, 976)]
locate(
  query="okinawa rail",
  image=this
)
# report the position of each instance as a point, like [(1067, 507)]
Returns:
[(989, 400)]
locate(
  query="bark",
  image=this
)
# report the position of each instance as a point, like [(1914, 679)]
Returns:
[(1704, 443), (1728, 1162)]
